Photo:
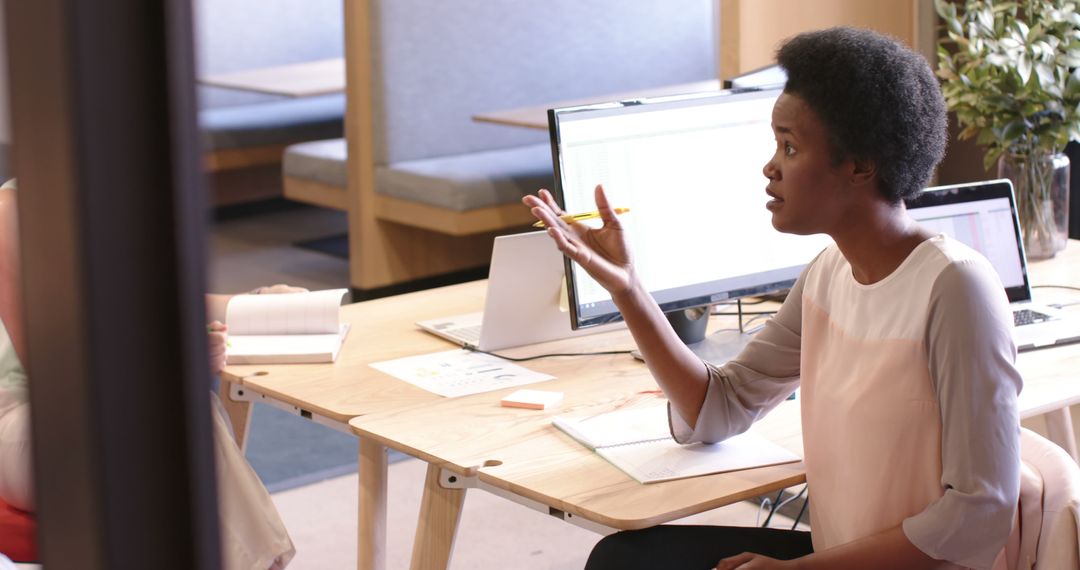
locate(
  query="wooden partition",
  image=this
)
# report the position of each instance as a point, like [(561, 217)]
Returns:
[(751, 30), (384, 253)]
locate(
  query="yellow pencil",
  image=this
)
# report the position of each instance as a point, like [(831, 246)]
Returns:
[(574, 218)]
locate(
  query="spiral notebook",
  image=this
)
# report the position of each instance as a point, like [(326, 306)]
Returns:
[(638, 441)]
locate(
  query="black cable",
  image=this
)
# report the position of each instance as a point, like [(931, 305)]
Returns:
[(773, 507), (748, 313), (472, 348), (758, 302), (802, 511)]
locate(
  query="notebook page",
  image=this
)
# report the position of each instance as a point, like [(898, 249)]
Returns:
[(666, 460), (314, 312), (617, 427), (286, 349)]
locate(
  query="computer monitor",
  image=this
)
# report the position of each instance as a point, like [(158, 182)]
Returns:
[(767, 76), (689, 168)]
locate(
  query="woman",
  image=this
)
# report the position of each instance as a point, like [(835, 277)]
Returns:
[(900, 339), (252, 534)]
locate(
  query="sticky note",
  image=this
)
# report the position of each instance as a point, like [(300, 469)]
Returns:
[(532, 399)]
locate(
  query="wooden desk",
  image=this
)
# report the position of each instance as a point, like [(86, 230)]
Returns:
[(536, 117), (332, 394), (321, 77), (516, 453)]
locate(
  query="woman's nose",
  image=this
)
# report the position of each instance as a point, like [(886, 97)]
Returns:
[(770, 171)]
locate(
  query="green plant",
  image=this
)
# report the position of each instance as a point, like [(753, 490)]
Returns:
[(1012, 75)]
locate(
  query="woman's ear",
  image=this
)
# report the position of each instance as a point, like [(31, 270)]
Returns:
[(864, 171)]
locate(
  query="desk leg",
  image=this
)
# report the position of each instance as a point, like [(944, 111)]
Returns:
[(440, 511), (239, 413), (1059, 429), (371, 526)]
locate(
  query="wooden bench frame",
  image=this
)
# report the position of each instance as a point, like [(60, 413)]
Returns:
[(241, 175)]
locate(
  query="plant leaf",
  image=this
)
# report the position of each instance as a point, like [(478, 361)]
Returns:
[(1015, 129), (1023, 67)]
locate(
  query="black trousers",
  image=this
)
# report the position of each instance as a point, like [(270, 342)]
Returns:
[(679, 547)]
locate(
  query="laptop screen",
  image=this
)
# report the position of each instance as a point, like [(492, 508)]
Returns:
[(981, 215)]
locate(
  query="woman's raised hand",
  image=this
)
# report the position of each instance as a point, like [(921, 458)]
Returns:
[(603, 252)]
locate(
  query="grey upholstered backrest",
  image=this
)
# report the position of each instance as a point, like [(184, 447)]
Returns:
[(438, 62), (234, 35)]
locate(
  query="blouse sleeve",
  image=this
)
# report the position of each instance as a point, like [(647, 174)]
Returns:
[(972, 365), (742, 390)]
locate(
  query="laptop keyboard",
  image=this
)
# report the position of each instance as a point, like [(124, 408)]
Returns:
[(1027, 317), (470, 335)]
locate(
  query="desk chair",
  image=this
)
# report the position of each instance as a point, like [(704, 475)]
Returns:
[(1059, 523), (17, 529)]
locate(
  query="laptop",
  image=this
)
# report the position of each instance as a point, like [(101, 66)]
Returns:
[(526, 300), (983, 216)]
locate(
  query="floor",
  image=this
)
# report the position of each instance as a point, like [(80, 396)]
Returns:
[(310, 469)]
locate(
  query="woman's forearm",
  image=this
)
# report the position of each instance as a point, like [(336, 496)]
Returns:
[(678, 371), (889, 549)]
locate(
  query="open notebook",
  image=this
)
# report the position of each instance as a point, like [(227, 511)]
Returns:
[(289, 328), (983, 216), (638, 442)]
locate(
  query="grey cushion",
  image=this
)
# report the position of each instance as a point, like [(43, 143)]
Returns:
[(321, 161), (459, 183), (469, 181), (274, 122)]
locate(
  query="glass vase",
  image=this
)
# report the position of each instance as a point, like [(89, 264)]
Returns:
[(1041, 184)]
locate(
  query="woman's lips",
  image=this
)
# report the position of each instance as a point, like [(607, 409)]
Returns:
[(776, 201)]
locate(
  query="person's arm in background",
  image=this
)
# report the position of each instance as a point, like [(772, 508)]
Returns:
[(217, 343), (10, 274)]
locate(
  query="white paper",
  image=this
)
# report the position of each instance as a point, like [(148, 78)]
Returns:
[(460, 372), (638, 441), (665, 460)]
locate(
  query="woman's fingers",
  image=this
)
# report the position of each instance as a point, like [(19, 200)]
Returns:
[(607, 213), (570, 248), (547, 216), (550, 201), (735, 561)]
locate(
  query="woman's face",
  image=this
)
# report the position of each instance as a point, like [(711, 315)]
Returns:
[(809, 192)]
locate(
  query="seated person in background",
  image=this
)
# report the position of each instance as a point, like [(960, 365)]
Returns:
[(252, 534), (900, 339)]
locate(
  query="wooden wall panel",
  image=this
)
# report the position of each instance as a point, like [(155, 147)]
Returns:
[(751, 30)]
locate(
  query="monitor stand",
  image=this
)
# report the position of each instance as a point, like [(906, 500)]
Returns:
[(718, 348)]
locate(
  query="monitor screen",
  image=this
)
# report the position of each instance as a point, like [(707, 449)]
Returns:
[(689, 168)]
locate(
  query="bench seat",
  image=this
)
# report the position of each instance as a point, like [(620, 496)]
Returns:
[(257, 133), (456, 195)]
